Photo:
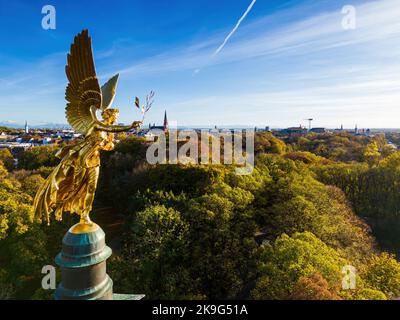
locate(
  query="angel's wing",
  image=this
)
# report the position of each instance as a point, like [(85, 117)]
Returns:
[(83, 91), (108, 92)]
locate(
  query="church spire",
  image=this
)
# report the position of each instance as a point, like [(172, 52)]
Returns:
[(165, 122)]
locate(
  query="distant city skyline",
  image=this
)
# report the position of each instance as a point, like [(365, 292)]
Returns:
[(205, 126), (226, 63)]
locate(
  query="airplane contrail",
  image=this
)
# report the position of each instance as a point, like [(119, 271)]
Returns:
[(235, 28), (196, 71)]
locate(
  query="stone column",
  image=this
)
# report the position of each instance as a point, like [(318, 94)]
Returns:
[(83, 265)]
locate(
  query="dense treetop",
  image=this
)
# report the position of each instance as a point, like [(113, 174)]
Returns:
[(309, 209)]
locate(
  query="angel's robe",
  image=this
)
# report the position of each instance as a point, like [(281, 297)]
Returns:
[(75, 176)]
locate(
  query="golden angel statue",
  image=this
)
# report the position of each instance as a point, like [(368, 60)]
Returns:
[(72, 184)]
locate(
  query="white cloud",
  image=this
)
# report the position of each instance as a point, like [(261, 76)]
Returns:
[(376, 21), (372, 103)]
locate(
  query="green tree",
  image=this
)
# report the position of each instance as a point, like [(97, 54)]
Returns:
[(265, 142), (37, 157), (314, 287), (288, 259), (368, 294), (155, 248), (7, 290), (293, 201), (371, 153), (383, 273), (3, 170), (7, 158), (31, 184), (15, 209)]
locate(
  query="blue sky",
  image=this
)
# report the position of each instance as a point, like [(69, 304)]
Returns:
[(287, 61)]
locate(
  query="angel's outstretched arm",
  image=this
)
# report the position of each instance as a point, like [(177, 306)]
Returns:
[(98, 125), (103, 127), (115, 128)]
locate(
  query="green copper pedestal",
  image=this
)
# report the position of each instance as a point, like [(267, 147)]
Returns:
[(83, 265)]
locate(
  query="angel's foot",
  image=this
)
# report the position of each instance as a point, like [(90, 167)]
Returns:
[(85, 219)]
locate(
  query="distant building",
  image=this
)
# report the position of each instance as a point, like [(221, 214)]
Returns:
[(318, 130), (46, 141), (339, 130), (26, 127), (15, 147), (295, 131), (5, 137), (164, 127)]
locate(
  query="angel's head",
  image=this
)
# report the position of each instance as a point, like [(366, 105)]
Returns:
[(110, 116)]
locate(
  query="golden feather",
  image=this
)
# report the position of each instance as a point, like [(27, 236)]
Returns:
[(83, 90), (108, 92)]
